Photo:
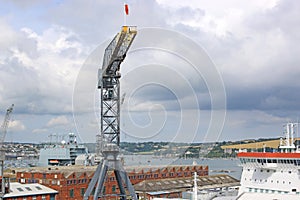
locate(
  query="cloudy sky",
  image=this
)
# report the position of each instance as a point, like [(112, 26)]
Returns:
[(198, 70)]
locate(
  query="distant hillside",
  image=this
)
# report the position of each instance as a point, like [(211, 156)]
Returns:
[(255, 145), (210, 150)]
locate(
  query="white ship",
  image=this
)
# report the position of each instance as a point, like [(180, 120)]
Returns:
[(272, 175)]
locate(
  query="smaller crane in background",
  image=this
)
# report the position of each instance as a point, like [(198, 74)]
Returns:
[(3, 131)]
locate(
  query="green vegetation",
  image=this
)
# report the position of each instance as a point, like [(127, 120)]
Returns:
[(218, 152), (183, 150)]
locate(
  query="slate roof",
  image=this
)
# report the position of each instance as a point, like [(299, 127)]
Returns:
[(183, 184), (32, 189)]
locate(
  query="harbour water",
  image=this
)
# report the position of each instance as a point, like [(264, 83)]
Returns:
[(216, 165)]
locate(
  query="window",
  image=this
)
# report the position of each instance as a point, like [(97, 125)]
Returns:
[(28, 188), (33, 197), (38, 187), (113, 189), (71, 193), (20, 189), (43, 197), (24, 198), (140, 176), (52, 197), (82, 191)]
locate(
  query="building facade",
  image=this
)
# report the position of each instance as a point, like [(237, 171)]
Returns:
[(71, 182)]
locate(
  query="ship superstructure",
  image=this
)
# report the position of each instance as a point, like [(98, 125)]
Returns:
[(272, 175), (62, 154)]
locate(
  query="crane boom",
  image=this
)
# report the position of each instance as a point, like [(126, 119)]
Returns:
[(5, 123), (114, 55)]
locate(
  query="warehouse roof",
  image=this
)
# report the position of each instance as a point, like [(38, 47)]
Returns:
[(21, 190), (89, 170), (184, 184)]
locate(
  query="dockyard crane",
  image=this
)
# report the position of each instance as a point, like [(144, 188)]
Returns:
[(108, 141), (3, 132)]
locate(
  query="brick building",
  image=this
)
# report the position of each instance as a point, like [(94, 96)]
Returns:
[(71, 182)]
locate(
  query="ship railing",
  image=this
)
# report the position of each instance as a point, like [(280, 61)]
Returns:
[(270, 165)]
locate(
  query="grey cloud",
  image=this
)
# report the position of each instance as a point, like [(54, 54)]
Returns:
[(95, 21), (35, 76), (260, 67)]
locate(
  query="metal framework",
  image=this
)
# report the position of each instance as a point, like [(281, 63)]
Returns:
[(108, 141), (3, 132)]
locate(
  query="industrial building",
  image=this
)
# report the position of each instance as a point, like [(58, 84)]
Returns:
[(174, 188), (71, 182)]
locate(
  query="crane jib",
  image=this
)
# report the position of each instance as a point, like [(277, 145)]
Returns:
[(116, 51)]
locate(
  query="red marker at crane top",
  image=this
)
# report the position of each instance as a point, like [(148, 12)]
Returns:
[(126, 9)]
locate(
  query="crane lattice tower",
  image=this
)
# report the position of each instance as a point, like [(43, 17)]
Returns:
[(108, 141)]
